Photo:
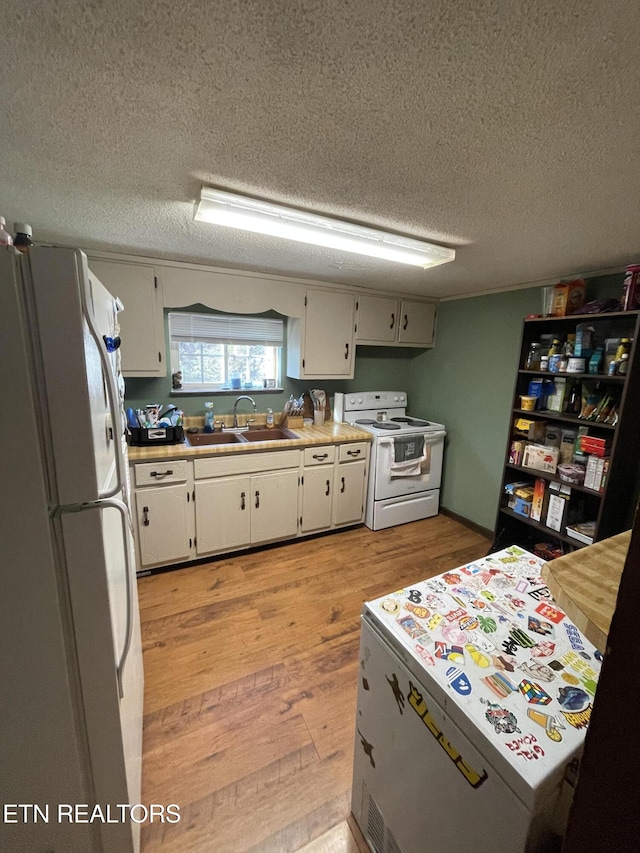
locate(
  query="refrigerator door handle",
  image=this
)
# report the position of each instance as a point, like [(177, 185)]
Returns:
[(112, 394), (123, 509)]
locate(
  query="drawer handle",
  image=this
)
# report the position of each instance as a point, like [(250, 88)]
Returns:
[(406, 321), (393, 321), (145, 516), (320, 455), (342, 488), (354, 452), (162, 473), (242, 500), (328, 488), (346, 350), (257, 499)]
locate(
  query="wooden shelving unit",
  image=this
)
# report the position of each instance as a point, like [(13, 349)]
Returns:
[(613, 506)]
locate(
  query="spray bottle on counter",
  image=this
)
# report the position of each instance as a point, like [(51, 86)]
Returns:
[(208, 417)]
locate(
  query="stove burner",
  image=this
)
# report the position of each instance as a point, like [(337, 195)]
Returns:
[(378, 424), (412, 421)]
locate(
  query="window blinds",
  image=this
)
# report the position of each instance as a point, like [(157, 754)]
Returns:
[(225, 329)]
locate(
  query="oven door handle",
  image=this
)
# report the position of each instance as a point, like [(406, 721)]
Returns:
[(429, 437)]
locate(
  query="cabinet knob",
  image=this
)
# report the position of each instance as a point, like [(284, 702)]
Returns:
[(167, 473), (328, 488), (320, 455), (406, 321), (242, 500), (257, 499), (346, 350), (145, 516), (342, 487), (393, 321), (354, 452)]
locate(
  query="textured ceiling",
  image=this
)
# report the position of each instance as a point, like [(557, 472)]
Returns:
[(506, 129)]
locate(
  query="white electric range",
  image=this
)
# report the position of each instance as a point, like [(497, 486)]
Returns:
[(406, 456)]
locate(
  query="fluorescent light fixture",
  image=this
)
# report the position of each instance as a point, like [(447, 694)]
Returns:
[(261, 217)]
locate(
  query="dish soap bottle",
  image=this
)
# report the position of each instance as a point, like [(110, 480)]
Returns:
[(208, 417), (269, 419)]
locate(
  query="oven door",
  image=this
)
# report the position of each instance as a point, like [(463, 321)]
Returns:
[(387, 486)]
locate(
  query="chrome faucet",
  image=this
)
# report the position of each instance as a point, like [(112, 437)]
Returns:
[(235, 406)]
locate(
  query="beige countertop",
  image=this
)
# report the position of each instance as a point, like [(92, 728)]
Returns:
[(585, 585), (327, 433)]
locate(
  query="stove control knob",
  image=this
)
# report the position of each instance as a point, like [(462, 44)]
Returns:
[(352, 400), (359, 399), (395, 399)]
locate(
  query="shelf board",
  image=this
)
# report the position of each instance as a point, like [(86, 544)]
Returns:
[(542, 528), (572, 318), (558, 416), (597, 377), (552, 479)]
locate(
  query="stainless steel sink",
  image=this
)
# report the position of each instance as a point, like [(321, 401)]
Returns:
[(205, 439)]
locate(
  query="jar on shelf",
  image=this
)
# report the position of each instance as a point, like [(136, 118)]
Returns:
[(532, 361)]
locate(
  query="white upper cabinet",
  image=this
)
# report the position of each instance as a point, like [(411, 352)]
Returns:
[(377, 319), (141, 322), (321, 344), (417, 320), (382, 320)]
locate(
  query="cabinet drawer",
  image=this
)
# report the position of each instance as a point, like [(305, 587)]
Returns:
[(352, 450), (156, 473), (240, 463), (319, 455)]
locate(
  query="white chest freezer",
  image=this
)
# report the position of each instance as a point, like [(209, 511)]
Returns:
[(474, 695)]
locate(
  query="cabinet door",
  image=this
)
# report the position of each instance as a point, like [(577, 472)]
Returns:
[(417, 321), (328, 339), (163, 525), (223, 512), (378, 319), (141, 322), (274, 506), (349, 492), (317, 498)]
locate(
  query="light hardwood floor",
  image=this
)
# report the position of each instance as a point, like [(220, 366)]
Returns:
[(250, 685)]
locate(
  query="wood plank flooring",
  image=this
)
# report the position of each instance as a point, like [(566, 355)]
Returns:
[(250, 685)]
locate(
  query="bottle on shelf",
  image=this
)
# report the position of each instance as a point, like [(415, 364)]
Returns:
[(623, 348), (573, 406), (22, 241), (568, 347), (533, 356), (5, 238), (208, 417), (623, 365)]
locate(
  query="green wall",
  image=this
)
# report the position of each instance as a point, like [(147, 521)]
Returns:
[(466, 382)]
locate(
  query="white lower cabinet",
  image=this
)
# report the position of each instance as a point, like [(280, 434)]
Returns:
[(317, 498), (274, 506), (191, 509), (223, 514), (234, 512), (350, 492), (163, 515)]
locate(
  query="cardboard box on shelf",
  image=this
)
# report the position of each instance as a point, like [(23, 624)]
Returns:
[(541, 458), (558, 506), (530, 429), (555, 400), (567, 444), (595, 472), (515, 452), (537, 503), (553, 436), (568, 297), (591, 444), (522, 507)]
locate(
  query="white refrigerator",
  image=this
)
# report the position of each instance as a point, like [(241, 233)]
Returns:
[(474, 694), (72, 677)]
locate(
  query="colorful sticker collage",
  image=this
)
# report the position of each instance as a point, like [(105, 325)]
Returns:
[(491, 634)]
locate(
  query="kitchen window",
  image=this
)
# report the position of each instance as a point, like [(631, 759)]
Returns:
[(216, 352)]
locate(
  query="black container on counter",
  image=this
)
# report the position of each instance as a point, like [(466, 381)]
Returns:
[(144, 436)]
